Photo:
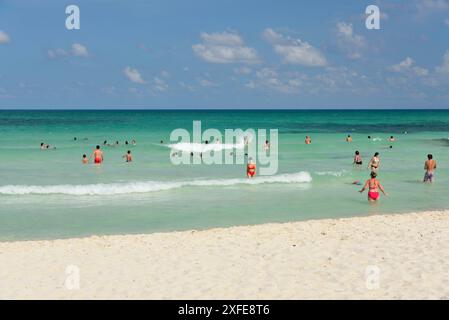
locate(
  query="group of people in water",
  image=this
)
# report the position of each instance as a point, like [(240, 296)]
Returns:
[(373, 185), (98, 158)]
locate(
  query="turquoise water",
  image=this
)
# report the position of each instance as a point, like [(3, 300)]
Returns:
[(51, 194)]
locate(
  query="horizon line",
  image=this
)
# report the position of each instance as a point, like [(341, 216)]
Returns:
[(223, 109)]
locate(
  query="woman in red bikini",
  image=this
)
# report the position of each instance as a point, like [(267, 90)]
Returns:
[(250, 169), (373, 185)]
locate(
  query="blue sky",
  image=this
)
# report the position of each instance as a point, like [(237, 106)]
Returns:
[(224, 54)]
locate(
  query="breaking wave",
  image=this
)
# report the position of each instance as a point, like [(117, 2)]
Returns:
[(149, 186)]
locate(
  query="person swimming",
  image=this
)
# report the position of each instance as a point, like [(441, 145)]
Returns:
[(430, 165), (98, 155), (374, 162), (357, 158), (308, 140), (126, 142), (266, 146), (250, 168), (349, 138), (369, 137), (133, 142), (373, 185), (85, 160), (391, 139), (128, 156)]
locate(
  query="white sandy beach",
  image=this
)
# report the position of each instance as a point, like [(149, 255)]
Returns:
[(336, 259)]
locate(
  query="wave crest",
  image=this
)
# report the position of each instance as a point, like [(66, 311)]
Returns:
[(148, 186)]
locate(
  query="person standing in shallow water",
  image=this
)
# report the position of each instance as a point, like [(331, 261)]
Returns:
[(357, 158), (98, 155), (373, 185), (128, 156), (430, 165), (308, 140), (251, 168), (374, 162)]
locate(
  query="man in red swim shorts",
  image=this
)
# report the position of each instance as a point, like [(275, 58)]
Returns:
[(98, 155), (251, 169)]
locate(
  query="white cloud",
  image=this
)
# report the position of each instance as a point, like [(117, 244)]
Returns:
[(348, 41), (444, 68), (55, 53), (432, 5), (159, 85), (224, 47), (165, 74), (4, 37), (79, 50), (288, 82), (242, 70), (446, 22), (133, 75), (206, 83), (407, 66), (294, 51)]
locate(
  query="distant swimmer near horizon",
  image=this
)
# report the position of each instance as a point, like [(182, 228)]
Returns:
[(308, 140), (430, 166), (98, 155), (250, 168), (373, 185), (266, 146), (349, 138)]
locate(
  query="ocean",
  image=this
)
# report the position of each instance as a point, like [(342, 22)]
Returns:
[(50, 194)]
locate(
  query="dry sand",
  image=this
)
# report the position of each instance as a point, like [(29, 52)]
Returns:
[(393, 257)]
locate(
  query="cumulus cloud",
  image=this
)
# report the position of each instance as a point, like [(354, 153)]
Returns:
[(349, 42), (55, 53), (4, 37), (273, 79), (426, 5), (444, 68), (407, 66), (206, 83), (159, 84), (242, 70), (79, 50), (224, 47), (133, 75), (294, 51)]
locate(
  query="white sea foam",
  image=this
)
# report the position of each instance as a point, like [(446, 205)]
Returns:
[(203, 148), (331, 173), (149, 186)]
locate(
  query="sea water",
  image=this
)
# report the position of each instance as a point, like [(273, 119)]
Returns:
[(47, 194)]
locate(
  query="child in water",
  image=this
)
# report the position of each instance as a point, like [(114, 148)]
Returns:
[(85, 160)]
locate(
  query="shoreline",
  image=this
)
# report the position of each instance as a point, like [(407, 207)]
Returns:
[(391, 256)]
